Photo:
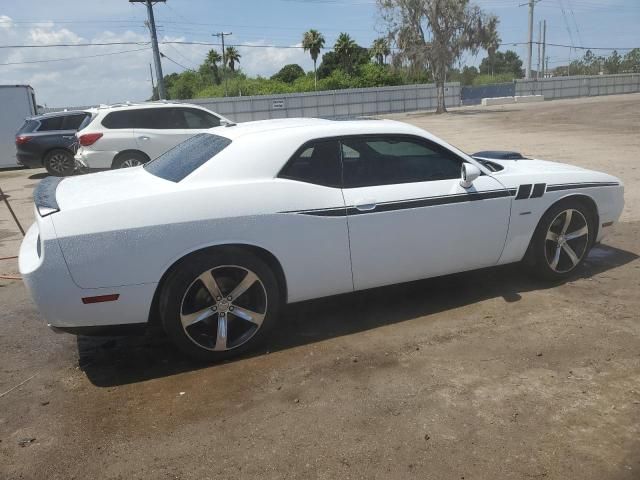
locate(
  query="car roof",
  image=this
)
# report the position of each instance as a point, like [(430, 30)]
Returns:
[(317, 127), (62, 113), (135, 106)]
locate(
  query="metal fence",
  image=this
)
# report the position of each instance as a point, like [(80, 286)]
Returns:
[(358, 102), (580, 86), (473, 95), (355, 102)]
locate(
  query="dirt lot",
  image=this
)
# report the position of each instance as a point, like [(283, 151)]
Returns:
[(483, 375)]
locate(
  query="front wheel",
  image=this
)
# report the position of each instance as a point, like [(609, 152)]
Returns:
[(562, 240), (219, 304)]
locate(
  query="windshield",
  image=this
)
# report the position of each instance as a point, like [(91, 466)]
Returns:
[(187, 156)]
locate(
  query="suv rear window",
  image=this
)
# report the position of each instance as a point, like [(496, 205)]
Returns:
[(186, 157), (28, 126), (51, 123)]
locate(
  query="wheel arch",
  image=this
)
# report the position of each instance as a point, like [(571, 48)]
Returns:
[(129, 150), (586, 200), (264, 254)]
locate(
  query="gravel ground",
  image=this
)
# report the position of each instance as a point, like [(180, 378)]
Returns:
[(482, 375)]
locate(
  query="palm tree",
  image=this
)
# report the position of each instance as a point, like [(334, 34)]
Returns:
[(212, 60), (493, 42), (313, 41), (233, 57), (345, 48), (380, 49)]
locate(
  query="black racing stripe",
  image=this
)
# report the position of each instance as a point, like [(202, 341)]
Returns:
[(572, 186), (411, 203), (524, 191), (538, 190)]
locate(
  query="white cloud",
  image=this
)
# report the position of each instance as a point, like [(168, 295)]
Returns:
[(112, 78)]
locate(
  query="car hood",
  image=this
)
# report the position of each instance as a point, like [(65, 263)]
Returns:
[(111, 186)]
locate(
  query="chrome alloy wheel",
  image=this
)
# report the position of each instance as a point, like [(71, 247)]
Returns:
[(61, 163), (566, 240), (223, 308), (130, 162)]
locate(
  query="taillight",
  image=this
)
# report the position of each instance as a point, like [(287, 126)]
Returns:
[(22, 139), (89, 139)]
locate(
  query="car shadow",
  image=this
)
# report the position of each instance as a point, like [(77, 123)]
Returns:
[(110, 361), (38, 176)]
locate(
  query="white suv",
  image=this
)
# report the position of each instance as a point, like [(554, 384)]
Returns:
[(127, 135)]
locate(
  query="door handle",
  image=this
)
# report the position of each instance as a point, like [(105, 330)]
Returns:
[(144, 138), (366, 205)]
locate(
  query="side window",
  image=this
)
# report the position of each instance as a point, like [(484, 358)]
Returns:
[(387, 160), (51, 123), (199, 119), (150, 118), (73, 122), (119, 119), (316, 162)]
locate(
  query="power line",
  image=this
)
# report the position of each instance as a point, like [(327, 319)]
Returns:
[(74, 58), (240, 45), (173, 61)]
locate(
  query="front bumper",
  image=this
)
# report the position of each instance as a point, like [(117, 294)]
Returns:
[(59, 299)]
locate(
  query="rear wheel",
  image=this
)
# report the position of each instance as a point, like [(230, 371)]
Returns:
[(562, 240), (59, 163), (219, 304), (129, 159)]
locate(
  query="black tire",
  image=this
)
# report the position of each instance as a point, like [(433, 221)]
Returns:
[(59, 163), (548, 256), (184, 294), (129, 159)]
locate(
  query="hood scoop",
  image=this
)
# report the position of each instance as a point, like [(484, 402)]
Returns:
[(499, 155)]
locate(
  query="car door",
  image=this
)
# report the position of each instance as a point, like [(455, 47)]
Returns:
[(160, 129), (311, 229), (408, 215)]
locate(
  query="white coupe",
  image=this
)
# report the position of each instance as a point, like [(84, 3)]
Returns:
[(216, 235)]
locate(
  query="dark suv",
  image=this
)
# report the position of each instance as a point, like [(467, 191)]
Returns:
[(49, 141)]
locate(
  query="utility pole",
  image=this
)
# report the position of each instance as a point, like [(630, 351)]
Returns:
[(221, 35), (153, 85), (544, 46), (539, 47), (530, 43), (154, 45)]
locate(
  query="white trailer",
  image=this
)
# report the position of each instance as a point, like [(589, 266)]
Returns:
[(17, 102)]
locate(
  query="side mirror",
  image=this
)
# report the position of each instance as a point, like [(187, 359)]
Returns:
[(468, 174)]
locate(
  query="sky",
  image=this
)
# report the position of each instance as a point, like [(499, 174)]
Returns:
[(121, 72)]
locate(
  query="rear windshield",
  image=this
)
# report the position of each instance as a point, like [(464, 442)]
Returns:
[(186, 157), (28, 126)]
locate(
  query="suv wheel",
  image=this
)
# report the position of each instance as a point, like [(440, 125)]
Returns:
[(59, 163), (129, 159)]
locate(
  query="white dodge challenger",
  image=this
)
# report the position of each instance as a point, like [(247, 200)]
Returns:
[(217, 234)]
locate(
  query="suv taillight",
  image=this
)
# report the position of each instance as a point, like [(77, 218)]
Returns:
[(22, 139), (89, 139)]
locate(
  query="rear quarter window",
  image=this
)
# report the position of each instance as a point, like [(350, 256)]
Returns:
[(188, 156)]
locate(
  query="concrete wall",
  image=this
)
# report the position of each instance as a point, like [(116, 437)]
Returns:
[(580, 86), (355, 102)]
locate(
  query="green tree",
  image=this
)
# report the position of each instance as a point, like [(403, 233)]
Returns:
[(502, 62), (631, 62), (345, 49), (380, 50), (313, 42), (613, 63), (232, 56), (438, 32), (493, 43), (289, 73)]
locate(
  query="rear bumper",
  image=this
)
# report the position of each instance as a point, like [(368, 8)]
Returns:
[(95, 158), (29, 160), (59, 299)]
